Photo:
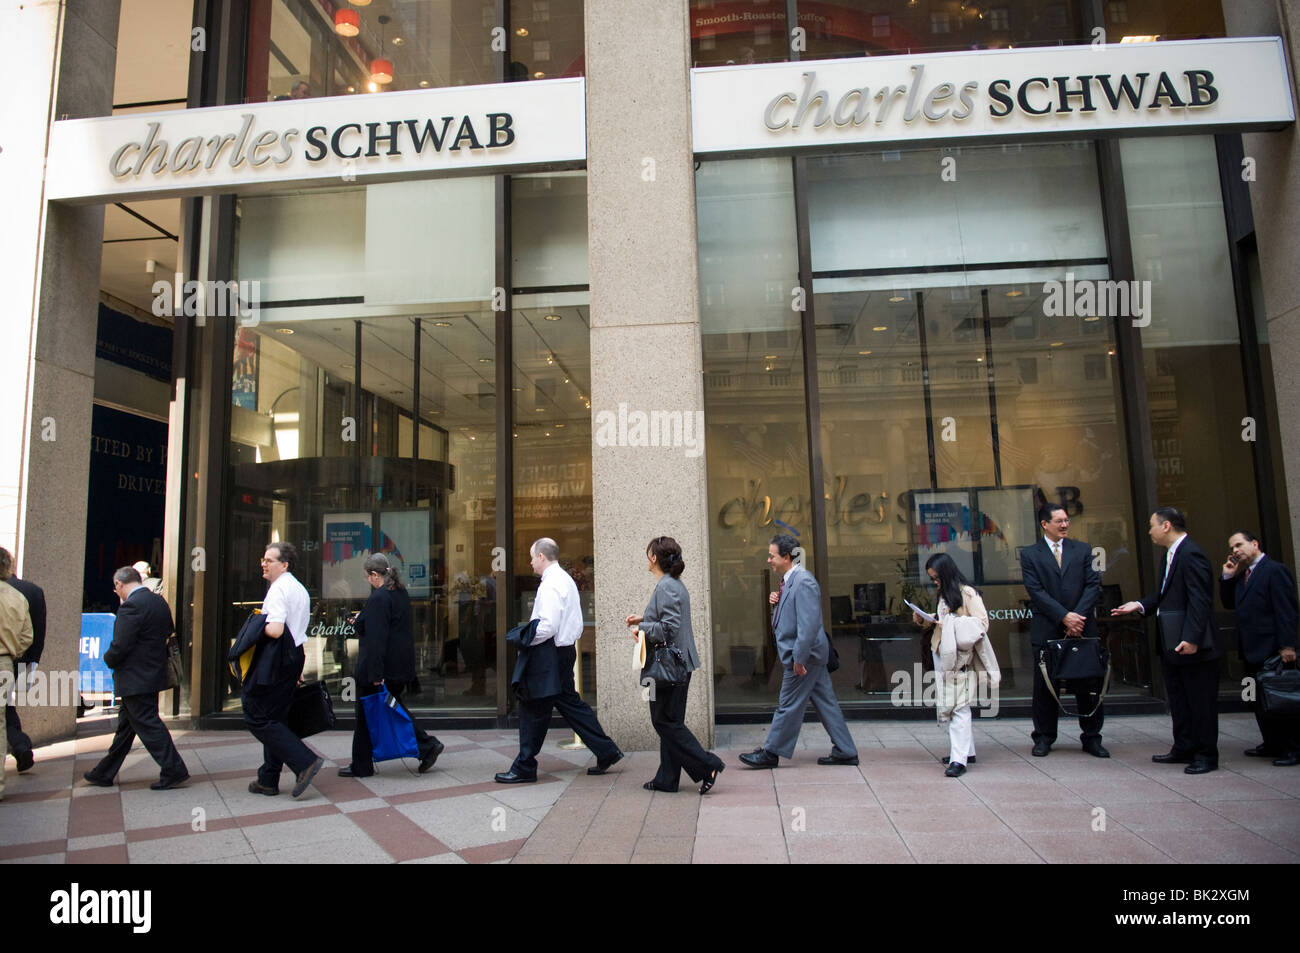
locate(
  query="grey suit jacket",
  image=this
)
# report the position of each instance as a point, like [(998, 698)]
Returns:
[(668, 619), (797, 622)]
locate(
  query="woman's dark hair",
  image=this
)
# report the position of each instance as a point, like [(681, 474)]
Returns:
[(379, 563), (950, 579), (668, 554)]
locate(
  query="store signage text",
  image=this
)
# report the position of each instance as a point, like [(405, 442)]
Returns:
[(154, 153), (1035, 96)]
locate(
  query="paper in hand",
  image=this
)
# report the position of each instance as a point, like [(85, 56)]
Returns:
[(928, 617)]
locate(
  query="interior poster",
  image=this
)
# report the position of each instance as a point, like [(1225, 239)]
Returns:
[(941, 523), (346, 544), (1007, 525), (404, 539)]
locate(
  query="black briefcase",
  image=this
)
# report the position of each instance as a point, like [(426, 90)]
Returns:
[(311, 711), (1278, 688), (1066, 659)]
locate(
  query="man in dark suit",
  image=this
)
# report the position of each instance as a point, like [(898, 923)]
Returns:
[(1063, 588), (138, 658), (20, 746), (1184, 606), (1262, 591)]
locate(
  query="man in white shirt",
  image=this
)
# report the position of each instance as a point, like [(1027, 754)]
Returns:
[(558, 610), (287, 608)]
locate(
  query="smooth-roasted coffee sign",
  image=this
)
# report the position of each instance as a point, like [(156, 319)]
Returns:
[(1198, 85), (366, 138)]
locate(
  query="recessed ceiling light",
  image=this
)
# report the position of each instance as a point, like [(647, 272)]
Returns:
[(897, 298), (881, 327), (522, 31), (1014, 293), (424, 84), (1058, 343), (442, 324), (769, 357), (485, 360), (397, 41), (352, 89), (1093, 318), (540, 75), (284, 330), (864, 353), (979, 360), (540, 410), (553, 317)]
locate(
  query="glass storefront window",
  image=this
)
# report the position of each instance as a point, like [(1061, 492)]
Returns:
[(755, 413), (1136, 21), (951, 403), (1191, 349), (727, 32), (300, 49), (364, 420)]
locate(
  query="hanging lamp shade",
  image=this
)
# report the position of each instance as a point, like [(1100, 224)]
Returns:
[(347, 22), (359, 3), (381, 71)]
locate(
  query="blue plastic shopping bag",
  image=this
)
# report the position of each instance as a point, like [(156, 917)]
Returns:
[(392, 733)]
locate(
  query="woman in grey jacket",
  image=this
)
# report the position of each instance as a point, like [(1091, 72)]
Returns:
[(667, 620)]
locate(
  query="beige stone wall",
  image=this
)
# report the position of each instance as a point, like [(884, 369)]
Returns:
[(645, 337)]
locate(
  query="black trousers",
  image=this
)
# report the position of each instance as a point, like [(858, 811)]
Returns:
[(535, 718), (19, 743), (1046, 712), (265, 712), (1193, 692), (1281, 734), (139, 716), (363, 761), (678, 748)]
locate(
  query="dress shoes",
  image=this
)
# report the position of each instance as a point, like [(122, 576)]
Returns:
[(510, 777), (1096, 749), (25, 761), (836, 759), (711, 778), (1041, 749), (305, 777), (1288, 760), (429, 757), (166, 784), (1261, 751), (1173, 757), (255, 787), (955, 770), (347, 771), (604, 764), (760, 758), (97, 781), (652, 786), (1201, 766), (970, 760)]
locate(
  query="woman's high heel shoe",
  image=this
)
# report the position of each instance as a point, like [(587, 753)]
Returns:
[(712, 779)]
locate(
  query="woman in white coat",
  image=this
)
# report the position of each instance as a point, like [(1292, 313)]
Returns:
[(962, 654)]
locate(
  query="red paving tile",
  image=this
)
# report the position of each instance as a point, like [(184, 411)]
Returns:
[(397, 834), (176, 830), (34, 849), (491, 853), (101, 814), (38, 796), (114, 854)]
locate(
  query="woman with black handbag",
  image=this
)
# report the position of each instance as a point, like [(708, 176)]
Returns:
[(385, 656), (670, 659)]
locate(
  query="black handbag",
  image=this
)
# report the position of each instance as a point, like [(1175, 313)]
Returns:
[(175, 671), (832, 657), (1067, 659), (1278, 688), (668, 666), (311, 711)]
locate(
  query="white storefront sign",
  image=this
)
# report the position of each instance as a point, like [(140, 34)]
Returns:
[(1076, 91), (364, 139)]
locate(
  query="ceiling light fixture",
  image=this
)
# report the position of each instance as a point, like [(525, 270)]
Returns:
[(284, 330), (522, 31), (442, 324), (553, 317), (881, 327), (381, 69), (347, 22)]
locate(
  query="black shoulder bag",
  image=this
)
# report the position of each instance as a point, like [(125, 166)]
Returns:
[(1067, 659)]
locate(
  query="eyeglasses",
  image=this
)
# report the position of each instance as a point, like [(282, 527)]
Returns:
[(265, 561)]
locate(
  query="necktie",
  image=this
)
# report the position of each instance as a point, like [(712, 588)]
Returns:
[(1249, 570), (1056, 550), (779, 591)]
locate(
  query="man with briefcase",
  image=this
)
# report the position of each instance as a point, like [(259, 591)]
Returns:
[(1262, 592), (1063, 588)]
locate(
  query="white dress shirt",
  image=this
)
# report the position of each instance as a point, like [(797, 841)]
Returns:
[(558, 607), (287, 601)]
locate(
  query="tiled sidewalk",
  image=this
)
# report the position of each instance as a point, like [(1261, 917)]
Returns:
[(453, 814), (897, 807)]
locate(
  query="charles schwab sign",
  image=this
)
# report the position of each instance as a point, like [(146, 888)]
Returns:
[(363, 138), (1139, 88)]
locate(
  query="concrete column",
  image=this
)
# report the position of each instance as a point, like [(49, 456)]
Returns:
[(645, 339), (1275, 202), (50, 261)]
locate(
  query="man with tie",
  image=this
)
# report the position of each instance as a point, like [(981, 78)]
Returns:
[(804, 648), (1262, 591), (1185, 628), (1063, 587)]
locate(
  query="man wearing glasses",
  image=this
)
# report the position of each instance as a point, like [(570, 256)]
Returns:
[(288, 612)]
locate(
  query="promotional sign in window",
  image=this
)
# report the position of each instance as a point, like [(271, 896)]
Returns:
[(404, 539), (346, 541)]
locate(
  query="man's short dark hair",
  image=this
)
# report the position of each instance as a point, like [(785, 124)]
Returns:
[(785, 544), (288, 555), (1173, 516), (1047, 509), (1250, 537), (126, 576)]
